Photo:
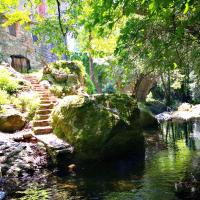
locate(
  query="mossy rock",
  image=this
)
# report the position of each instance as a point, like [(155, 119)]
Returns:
[(69, 67), (98, 126), (147, 119), (70, 76)]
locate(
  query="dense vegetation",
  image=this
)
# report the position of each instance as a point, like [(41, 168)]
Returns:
[(122, 42), (12, 92)]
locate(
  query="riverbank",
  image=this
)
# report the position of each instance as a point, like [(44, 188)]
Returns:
[(185, 112), (24, 156)]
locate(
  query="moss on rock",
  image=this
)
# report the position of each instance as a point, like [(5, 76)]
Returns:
[(89, 124), (70, 76)]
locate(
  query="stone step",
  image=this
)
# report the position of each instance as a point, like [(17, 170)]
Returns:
[(41, 123), (43, 117), (35, 85), (32, 80), (43, 130), (35, 82), (46, 106), (38, 90), (45, 98), (49, 101), (41, 91), (45, 101), (44, 92), (44, 112)]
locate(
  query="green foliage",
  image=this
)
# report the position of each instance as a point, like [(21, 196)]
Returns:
[(50, 27), (4, 97), (83, 57), (90, 88), (156, 38), (17, 16), (68, 77), (75, 67), (9, 8), (27, 102), (7, 82), (57, 90), (109, 88)]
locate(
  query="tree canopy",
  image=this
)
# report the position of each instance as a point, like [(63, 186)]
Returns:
[(136, 38)]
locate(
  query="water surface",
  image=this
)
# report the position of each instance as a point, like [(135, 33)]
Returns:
[(170, 155)]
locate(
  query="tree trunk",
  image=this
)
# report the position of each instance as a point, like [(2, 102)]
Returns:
[(64, 33), (91, 68), (143, 86), (187, 85), (91, 63), (168, 97), (167, 88)]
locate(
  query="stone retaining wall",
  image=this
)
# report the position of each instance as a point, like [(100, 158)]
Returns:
[(21, 44)]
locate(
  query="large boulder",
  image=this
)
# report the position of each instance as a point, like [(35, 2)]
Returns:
[(11, 120), (99, 126), (147, 119)]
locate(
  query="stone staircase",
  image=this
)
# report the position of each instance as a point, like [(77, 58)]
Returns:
[(41, 125)]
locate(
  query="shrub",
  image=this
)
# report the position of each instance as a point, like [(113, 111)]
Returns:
[(27, 102), (4, 97), (57, 90), (90, 88), (7, 82), (109, 88), (69, 67)]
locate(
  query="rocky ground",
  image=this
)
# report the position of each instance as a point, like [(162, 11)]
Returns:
[(23, 155)]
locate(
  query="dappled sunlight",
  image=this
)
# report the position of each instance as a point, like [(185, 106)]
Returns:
[(99, 100)]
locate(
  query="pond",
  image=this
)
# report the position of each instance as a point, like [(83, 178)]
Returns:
[(170, 156)]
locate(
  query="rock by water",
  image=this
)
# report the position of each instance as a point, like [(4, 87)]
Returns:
[(99, 126), (185, 112)]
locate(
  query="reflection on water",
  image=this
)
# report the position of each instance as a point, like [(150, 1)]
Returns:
[(146, 178)]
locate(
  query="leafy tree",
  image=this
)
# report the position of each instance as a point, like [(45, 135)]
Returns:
[(158, 37)]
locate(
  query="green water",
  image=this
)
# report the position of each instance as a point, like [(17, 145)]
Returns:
[(170, 156)]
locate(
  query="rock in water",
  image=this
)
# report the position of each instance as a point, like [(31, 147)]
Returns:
[(147, 119), (11, 120), (99, 126), (2, 195)]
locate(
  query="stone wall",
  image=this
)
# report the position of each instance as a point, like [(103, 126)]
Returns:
[(19, 44)]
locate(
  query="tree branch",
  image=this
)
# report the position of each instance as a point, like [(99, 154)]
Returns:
[(59, 19)]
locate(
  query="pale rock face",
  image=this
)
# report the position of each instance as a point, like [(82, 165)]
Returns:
[(23, 44), (185, 107), (185, 112), (45, 84)]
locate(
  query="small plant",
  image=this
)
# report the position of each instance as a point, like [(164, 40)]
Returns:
[(27, 102), (109, 88), (90, 88), (4, 97), (57, 90), (7, 82)]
